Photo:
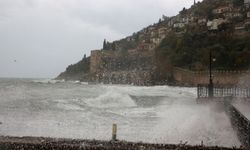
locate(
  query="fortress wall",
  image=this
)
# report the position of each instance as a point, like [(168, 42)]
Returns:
[(184, 76), (219, 77), (138, 68), (95, 60), (120, 67), (135, 77)]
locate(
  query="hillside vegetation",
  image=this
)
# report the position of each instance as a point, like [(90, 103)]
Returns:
[(192, 50), (76, 71)]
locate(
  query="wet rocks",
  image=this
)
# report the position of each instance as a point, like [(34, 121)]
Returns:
[(39, 143)]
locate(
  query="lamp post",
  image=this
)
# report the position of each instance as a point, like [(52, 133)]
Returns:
[(211, 85)]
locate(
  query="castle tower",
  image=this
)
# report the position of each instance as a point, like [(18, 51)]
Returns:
[(194, 2)]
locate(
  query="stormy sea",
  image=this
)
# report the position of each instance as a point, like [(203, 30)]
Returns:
[(157, 114)]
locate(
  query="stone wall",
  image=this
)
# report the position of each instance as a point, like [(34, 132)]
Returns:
[(240, 123), (95, 60), (219, 77), (183, 76), (122, 67), (125, 77), (135, 67)]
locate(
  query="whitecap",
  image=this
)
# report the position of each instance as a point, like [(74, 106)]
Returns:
[(111, 99)]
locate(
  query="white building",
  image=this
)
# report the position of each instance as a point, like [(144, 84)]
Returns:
[(214, 24), (230, 15), (248, 14), (155, 41), (179, 25), (162, 31), (202, 21), (247, 3), (222, 9)]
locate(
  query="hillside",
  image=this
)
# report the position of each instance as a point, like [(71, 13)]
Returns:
[(191, 51), (76, 71), (230, 47), (184, 40)]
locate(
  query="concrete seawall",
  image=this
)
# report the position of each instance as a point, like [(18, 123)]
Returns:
[(240, 123)]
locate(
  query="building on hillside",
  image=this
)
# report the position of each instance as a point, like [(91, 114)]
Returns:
[(240, 27), (153, 33), (162, 32), (174, 20), (151, 28), (146, 47), (214, 24), (247, 26), (186, 20), (247, 21), (189, 19), (146, 39), (248, 15), (202, 21), (129, 39), (132, 51), (247, 3), (141, 36), (222, 9), (155, 40), (230, 15), (144, 30), (170, 22), (179, 25), (237, 14), (177, 18)]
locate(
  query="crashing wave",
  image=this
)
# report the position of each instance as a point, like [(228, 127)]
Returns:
[(111, 99), (48, 81)]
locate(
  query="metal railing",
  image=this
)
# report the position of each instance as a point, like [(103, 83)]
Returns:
[(220, 91)]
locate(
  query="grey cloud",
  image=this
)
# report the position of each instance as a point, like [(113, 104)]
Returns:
[(45, 36)]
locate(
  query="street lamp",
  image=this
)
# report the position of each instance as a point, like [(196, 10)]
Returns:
[(211, 85)]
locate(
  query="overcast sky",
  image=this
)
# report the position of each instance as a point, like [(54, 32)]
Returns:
[(40, 38)]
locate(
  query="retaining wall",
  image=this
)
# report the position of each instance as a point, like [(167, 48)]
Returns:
[(202, 77), (240, 123)]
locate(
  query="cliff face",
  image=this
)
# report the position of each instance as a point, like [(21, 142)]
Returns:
[(147, 57)]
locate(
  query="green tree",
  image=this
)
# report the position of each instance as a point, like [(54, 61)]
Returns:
[(184, 11), (238, 2), (104, 44)]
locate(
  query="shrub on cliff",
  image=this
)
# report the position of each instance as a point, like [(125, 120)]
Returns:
[(78, 69), (81, 66)]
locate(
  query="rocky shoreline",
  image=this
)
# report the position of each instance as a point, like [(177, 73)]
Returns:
[(41, 143)]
